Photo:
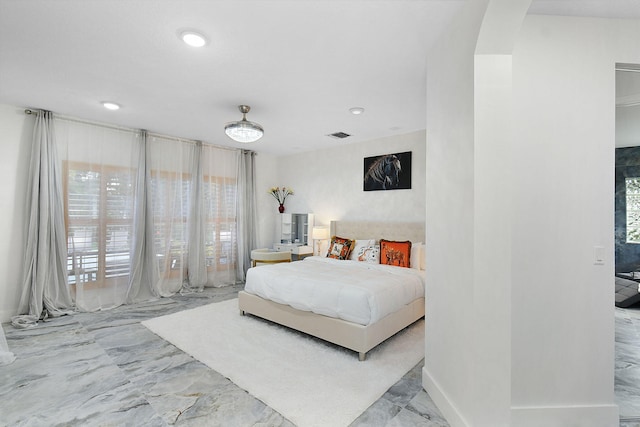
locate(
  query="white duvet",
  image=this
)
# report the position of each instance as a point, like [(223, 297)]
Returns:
[(355, 291)]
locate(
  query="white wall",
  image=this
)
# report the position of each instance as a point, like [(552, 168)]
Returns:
[(328, 183), (562, 303), (15, 145), (266, 177), (494, 165), (555, 202), (628, 112), (627, 125), (449, 372)]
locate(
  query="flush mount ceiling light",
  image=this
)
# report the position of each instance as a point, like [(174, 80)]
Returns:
[(356, 110), (244, 130), (193, 38), (110, 105)]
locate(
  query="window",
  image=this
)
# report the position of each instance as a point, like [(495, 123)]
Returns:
[(99, 218), (632, 186), (100, 225), (171, 194), (170, 205), (220, 222)]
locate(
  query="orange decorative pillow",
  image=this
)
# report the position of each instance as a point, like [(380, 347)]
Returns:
[(395, 253), (340, 248)]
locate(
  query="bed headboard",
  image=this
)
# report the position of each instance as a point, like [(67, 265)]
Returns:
[(413, 231)]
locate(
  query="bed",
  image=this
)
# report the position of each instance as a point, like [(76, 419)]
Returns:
[(353, 331)]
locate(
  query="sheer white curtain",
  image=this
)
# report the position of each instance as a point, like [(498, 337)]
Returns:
[(144, 216), (194, 195), (44, 291), (6, 356), (247, 211), (220, 204), (197, 266), (144, 273), (170, 162), (100, 166)]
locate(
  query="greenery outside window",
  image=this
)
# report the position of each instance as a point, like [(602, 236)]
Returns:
[(632, 188)]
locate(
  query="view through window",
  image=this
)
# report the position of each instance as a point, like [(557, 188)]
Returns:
[(632, 186), (99, 223), (100, 211)]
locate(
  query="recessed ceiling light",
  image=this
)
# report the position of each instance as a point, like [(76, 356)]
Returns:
[(193, 39), (110, 105), (356, 110)]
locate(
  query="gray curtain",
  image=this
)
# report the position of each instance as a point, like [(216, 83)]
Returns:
[(6, 357), (196, 258), (247, 214), (143, 278), (44, 285)]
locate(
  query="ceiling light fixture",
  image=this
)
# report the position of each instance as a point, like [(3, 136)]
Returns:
[(356, 110), (244, 130), (193, 39), (110, 105)]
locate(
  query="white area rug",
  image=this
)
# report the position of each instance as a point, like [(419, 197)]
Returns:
[(308, 381)]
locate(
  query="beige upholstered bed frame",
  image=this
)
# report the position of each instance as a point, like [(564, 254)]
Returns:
[(353, 336)]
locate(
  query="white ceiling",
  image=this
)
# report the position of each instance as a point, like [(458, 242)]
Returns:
[(300, 64)]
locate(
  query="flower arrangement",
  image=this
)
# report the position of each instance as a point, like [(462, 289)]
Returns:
[(281, 194)]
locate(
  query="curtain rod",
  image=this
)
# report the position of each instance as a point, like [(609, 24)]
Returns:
[(30, 111)]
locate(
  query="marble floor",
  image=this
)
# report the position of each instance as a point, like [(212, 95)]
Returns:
[(106, 369), (627, 369)]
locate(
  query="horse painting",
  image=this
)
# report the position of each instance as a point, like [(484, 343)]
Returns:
[(386, 172)]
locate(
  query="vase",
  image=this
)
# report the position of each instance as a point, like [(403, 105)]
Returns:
[(281, 208)]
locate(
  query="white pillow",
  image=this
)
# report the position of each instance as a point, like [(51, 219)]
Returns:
[(369, 254), (359, 245), (417, 256)]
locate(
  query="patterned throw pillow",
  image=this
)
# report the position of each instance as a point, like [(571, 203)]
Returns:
[(369, 254), (395, 253), (340, 248), (358, 245)]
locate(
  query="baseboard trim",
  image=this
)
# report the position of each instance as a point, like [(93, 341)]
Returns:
[(561, 416), (442, 401), (528, 416)]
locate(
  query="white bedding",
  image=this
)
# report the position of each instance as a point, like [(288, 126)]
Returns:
[(354, 291)]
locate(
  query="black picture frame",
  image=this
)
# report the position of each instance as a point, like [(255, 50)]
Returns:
[(387, 172)]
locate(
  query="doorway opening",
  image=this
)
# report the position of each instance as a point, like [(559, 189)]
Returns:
[(627, 241)]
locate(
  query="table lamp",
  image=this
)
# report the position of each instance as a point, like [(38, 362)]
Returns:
[(319, 234)]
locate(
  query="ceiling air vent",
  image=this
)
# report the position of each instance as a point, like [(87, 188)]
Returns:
[(339, 135)]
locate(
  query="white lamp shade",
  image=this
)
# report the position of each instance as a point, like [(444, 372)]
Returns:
[(320, 233)]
